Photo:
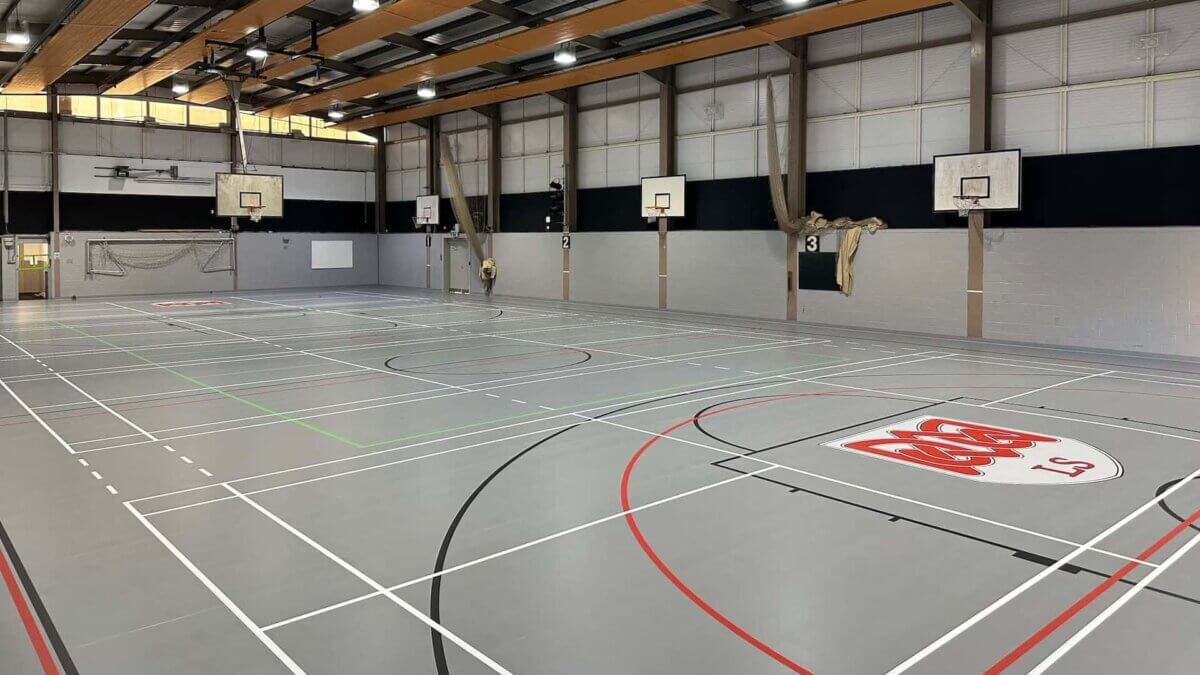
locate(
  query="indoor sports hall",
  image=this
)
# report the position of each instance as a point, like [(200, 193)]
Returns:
[(599, 336)]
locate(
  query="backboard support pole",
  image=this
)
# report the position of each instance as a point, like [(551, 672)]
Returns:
[(666, 165), (980, 111)]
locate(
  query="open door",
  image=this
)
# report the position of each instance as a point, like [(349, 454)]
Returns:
[(33, 266)]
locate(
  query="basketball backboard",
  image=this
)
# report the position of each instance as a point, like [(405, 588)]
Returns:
[(249, 195), (981, 181), (663, 197), (427, 211)]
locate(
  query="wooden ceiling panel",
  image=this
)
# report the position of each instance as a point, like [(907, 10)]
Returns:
[(815, 20), (586, 23), (88, 29), (398, 16), (253, 16)]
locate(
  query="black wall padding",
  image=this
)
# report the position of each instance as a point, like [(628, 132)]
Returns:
[(613, 209), (526, 212), (124, 212), (1128, 188), (303, 215), (29, 212), (400, 215)]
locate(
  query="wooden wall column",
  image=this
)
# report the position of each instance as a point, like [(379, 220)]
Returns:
[(981, 141)]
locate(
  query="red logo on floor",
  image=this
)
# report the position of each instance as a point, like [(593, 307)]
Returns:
[(984, 453), (190, 303)]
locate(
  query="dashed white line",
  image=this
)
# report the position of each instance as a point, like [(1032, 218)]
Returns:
[(169, 448), (491, 396), (545, 407), (517, 400), (83, 462), (720, 367), (111, 490), (185, 459), (97, 475), (206, 472), (751, 372)]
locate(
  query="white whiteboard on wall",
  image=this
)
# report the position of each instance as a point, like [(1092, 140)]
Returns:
[(332, 255)]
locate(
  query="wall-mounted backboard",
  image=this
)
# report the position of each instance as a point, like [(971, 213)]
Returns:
[(980, 181), (663, 197), (427, 211), (249, 194)]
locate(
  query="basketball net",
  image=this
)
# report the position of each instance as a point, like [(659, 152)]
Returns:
[(966, 205), (255, 213), (656, 212)]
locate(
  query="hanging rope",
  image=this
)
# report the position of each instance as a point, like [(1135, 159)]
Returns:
[(466, 220), (814, 222)]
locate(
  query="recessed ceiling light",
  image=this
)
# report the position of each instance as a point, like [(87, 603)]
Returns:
[(365, 5), (18, 32), (565, 54)]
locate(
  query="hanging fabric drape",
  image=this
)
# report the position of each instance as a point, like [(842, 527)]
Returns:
[(488, 271)]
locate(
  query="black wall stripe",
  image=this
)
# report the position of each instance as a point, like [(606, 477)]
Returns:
[(30, 212), (1130, 188)]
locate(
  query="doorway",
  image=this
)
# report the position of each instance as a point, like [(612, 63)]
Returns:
[(33, 268), (457, 265)]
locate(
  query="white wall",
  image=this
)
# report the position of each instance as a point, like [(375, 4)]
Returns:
[(618, 132), (1129, 289), (531, 144), (284, 260), (532, 264)]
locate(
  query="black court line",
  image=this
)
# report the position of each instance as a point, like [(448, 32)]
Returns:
[(39, 608), (435, 590), (1166, 507), (1016, 552), (1097, 415), (867, 333)]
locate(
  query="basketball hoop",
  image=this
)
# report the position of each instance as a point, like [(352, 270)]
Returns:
[(420, 222), (656, 212), (966, 205), (255, 213)]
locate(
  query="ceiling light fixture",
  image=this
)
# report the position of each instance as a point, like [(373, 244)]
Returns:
[(18, 32), (427, 90), (565, 54), (258, 51), (795, 2), (180, 87), (335, 114), (365, 5)]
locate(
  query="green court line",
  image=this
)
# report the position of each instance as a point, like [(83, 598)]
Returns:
[(411, 437), (217, 390), (590, 404)]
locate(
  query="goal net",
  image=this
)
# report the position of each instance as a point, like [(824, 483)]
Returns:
[(116, 257)]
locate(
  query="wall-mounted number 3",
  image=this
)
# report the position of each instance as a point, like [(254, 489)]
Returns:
[(812, 244)]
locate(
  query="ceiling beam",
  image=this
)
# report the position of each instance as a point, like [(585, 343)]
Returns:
[(251, 17), (726, 8), (972, 8), (78, 37), (374, 26), (546, 35), (815, 20)]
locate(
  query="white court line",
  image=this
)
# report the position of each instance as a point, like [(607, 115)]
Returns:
[(37, 418), (768, 465), (1047, 387), (520, 547), (1112, 609), (474, 387), (767, 379), (1029, 583), (379, 588), (220, 595)]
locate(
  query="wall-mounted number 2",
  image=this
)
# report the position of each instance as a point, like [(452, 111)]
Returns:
[(1073, 468), (812, 244)]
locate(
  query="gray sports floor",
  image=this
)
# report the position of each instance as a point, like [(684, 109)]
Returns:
[(384, 481)]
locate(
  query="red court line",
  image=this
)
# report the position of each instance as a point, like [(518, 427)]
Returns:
[(49, 667), (662, 566), (1087, 599)]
